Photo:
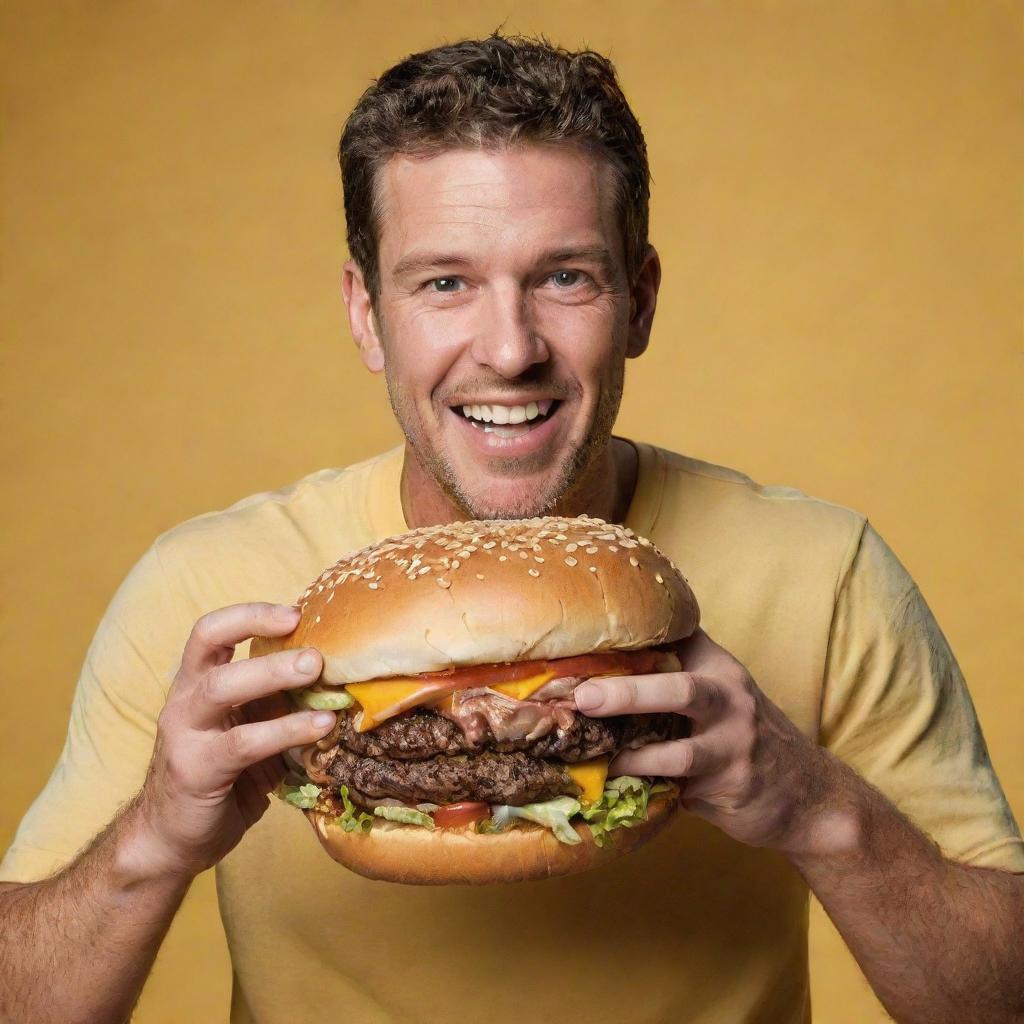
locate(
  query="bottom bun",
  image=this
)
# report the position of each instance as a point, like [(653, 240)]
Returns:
[(460, 856)]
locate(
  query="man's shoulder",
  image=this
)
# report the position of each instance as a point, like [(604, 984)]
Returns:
[(728, 513), (313, 520), (715, 487)]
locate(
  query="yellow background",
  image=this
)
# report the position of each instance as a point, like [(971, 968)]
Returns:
[(837, 205)]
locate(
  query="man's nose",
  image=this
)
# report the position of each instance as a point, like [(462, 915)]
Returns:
[(506, 338)]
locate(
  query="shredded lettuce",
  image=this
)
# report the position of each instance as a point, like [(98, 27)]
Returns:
[(351, 820), (406, 815), (300, 796), (334, 698), (622, 805), (553, 814)]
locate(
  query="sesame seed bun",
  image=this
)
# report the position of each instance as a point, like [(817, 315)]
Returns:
[(490, 591)]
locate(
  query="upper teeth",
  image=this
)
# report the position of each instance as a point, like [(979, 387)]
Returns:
[(507, 413)]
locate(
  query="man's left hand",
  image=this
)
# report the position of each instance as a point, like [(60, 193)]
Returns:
[(745, 767)]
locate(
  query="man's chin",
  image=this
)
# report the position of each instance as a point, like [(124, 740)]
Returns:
[(482, 505)]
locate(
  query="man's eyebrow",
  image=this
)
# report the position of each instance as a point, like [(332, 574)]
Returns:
[(417, 262)]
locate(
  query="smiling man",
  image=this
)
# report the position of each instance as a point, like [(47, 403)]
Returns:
[(496, 197), (510, 312)]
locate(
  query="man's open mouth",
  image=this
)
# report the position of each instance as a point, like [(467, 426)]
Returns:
[(508, 420)]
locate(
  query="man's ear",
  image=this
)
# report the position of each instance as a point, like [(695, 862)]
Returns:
[(361, 318), (642, 301)]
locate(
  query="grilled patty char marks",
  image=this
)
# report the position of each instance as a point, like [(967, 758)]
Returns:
[(497, 778), (422, 733)]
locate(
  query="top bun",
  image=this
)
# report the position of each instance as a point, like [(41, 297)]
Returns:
[(490, 591)]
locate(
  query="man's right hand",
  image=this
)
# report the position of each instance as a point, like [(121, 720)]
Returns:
[(219, 742)]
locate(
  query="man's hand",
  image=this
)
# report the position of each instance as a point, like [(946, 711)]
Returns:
[(219, 741), (746, 768)]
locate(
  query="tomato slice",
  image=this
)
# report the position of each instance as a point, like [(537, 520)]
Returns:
[(456, 815)]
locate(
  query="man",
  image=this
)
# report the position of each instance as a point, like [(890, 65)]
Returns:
[(496, 197)]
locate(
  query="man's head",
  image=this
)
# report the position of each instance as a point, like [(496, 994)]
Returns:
[(496, 197)]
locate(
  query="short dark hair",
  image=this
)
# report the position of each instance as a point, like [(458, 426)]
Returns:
[(485, 93)]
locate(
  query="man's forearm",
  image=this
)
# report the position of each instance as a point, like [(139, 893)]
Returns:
[(79, 946), (938, 941)]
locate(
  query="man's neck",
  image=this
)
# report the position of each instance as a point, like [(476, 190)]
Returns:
[(605, 491)]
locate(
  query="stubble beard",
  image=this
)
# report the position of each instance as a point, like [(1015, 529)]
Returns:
[(569, 474)]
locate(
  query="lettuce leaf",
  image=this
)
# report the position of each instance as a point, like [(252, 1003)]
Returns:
[(300, 796), (406, 815), (552, 814)]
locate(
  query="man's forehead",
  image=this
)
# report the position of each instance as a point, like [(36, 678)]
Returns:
[(534, 189)]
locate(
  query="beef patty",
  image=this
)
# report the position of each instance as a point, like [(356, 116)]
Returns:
[(422, 733), (514, 778)]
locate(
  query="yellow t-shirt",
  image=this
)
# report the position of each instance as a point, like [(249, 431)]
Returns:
[(694, 927)]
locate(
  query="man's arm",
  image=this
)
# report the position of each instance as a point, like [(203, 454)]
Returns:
[(78, 947), (938, 941)]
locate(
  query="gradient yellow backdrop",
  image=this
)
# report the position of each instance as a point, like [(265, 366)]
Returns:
[(837, 204)]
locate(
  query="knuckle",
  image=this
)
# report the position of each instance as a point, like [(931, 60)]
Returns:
[(746, 741), (215, 685), (743, 780), (746, 704), (685, 688), (238, 744), (203, 628), (680, 757)]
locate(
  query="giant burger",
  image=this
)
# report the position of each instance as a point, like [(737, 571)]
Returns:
[(451, 654)]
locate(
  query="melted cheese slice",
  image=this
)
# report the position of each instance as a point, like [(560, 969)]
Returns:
[(385, 699), (522, 688), (590, 776), (382, 700)]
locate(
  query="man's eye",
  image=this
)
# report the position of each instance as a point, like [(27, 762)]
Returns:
[(566, 278), (446, 284)]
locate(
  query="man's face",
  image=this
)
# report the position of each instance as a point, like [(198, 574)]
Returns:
[(503, 318)]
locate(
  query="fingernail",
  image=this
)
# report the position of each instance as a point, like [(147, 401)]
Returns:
[(587, 696), (322, 719), (305, 662), (285, 612)]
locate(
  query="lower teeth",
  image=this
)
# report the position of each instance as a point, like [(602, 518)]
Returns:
[(515, 431)]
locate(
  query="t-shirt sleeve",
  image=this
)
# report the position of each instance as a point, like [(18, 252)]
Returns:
[(895, 708), (123, 685)]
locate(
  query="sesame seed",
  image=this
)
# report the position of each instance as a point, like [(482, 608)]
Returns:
[(442, 582), (537, 558), (571, 547), (523, 554), (593, 568), (633, 561), (571, 562), (659, 577), (612, 547), (425, 568), (591, 551), (330, 597), (502, 558), (479, 575), (533, 572), (489, 544), (374, 586), (316, 620), (456, 564)]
